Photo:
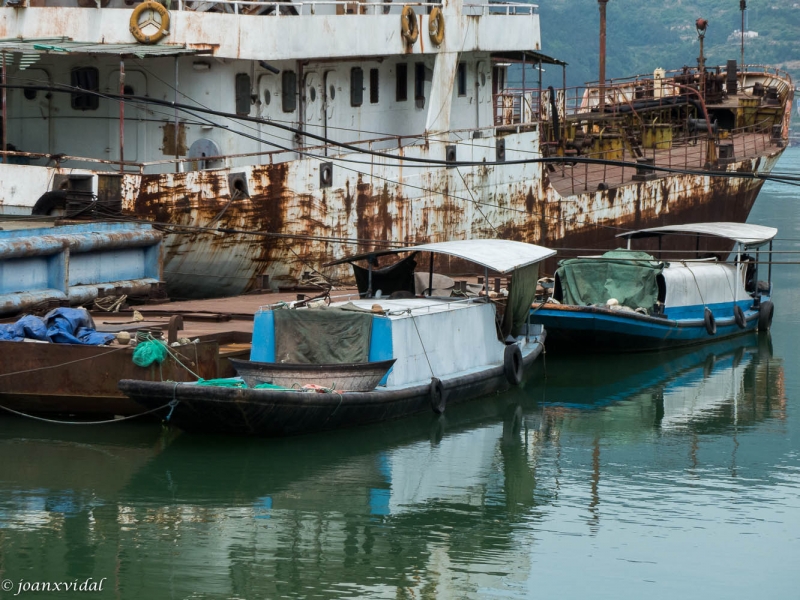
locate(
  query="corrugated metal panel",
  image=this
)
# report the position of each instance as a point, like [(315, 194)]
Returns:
[(66, 45)]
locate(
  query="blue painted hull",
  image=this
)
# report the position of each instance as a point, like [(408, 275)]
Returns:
[(596, 329)]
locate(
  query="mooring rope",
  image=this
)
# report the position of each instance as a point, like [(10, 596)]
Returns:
[(104, 422)]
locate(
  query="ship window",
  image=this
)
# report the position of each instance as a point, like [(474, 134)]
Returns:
[(419, 84), (128, 90), (373, 86), (356, 86), (242, 94), (267, 97), (289, 91), (401, 91), (462, 79), (85, 78), (29, 93)]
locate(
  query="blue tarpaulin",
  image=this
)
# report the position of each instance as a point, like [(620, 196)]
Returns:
[(60, 326)]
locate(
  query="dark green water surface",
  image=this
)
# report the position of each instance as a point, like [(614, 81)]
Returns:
[(648, 476)]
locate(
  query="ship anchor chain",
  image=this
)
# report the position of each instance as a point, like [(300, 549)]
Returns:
[(149, 16)]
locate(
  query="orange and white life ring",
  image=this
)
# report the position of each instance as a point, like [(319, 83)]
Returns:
[(149, 17), (408, 25), (436, 26)]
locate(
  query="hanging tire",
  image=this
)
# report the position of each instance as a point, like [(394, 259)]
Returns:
[(512, 364), (438, 396), (710, 322), (765, 313), (738, 316)]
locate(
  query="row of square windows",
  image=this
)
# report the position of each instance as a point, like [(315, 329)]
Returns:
[(88, 78)]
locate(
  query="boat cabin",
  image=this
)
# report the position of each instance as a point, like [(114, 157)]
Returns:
[(397, 317)]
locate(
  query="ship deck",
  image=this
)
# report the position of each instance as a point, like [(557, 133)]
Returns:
[(578, 178)]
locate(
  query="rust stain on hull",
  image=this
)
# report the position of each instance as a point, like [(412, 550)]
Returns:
[(369, 211)]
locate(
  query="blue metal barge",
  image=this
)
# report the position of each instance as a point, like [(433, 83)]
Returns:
[(74, 264)]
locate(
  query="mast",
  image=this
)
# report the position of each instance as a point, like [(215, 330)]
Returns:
[(602, 5)]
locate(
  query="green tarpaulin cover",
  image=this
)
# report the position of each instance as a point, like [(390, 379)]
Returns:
[(523, 293), (627, 275), (322, 336)]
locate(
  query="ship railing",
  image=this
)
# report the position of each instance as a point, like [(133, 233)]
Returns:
[(749, 140), (184, 163), (688, 150), (515, 107), (754, 69), (342, 7), (306, 8)]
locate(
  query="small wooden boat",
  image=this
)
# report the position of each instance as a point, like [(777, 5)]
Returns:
[(440, 350), (626, 301), (353, 377)]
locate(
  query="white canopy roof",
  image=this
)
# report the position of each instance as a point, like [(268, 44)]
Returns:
[(499, 255), (744, 233)]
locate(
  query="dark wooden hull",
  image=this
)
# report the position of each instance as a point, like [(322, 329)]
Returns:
[(277, 413), (72, 379)]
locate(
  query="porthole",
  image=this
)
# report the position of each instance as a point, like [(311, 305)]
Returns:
[(483, 79), (267, 97), (312, 93), (333, 92)]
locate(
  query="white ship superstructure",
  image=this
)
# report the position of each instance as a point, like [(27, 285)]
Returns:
[(274, 137)]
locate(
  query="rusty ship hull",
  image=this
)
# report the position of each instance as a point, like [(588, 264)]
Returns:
[(261, 171), (221, 246)]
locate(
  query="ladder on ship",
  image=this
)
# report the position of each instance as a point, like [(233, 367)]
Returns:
[(629, 135)]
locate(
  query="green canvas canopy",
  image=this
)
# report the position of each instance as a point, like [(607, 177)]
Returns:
[(626, 275)]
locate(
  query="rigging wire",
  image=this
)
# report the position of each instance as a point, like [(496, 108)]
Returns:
[(139, 101), (413, 160)]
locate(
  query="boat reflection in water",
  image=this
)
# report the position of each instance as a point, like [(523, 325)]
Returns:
[(711, 387), (454, 506)]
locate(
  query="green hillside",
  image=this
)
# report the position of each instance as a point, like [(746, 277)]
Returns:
[(645, 34)]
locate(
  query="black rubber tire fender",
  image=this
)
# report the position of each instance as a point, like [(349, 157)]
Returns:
[(438, 396), (710, 322), (738, 316), (765, 313), (512, 364), (49, 201)]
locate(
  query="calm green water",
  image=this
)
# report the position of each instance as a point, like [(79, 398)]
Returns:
[(669, 476)]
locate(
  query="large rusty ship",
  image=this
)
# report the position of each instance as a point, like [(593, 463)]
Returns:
[(269, 138)]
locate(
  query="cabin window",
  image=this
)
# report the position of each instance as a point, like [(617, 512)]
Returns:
[(356, 86), (289, 91), (85, 78), (242, 94), (373, 86), (267, 97), (419, 84), (461, 77), (401, 90), (29, 93)]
